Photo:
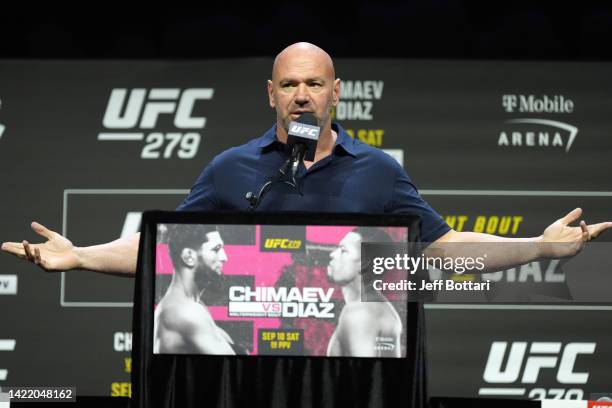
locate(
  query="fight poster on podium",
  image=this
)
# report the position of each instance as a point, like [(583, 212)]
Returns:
[(281, 290)]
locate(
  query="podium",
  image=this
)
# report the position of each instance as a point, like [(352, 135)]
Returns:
[(277, 346)]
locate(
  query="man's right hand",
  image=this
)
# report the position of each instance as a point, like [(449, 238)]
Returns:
[(56, 254)]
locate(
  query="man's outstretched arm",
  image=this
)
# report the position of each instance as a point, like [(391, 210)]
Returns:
[(559, 240), (57, 253)]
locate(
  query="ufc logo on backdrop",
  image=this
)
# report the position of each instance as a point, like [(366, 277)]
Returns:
[(124, 112), (6, 345), (2, 127), (130, 114), (541, 355), (131, 224), (513, 369)]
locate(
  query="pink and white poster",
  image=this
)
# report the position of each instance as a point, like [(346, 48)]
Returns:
[(272, 290)]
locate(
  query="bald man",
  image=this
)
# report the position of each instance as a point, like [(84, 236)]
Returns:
[(345, 176), (304, 80)]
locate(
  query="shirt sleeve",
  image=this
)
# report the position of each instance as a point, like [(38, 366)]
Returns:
[(406, 199), (202, 196)]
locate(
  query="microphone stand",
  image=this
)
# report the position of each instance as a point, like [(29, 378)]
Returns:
[(286, 174)]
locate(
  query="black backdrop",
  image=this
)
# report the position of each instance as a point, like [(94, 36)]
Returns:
[(452, 122), (448, 29)]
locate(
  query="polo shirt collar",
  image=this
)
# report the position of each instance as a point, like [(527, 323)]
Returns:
[(343, 140), (267, 138)]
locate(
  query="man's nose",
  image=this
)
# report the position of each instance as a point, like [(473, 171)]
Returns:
[(223, 256), (333, 253), (302, 96)]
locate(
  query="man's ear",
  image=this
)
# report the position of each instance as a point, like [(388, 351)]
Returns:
[(336, 93), (189, 257), (271, 93)]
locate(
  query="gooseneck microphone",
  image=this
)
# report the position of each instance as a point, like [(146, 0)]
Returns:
[(302, 138)]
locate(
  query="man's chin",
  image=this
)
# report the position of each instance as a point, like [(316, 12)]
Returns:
[(330, 278)]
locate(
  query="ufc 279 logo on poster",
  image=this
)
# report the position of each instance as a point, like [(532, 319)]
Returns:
[(525, 363), (134, 115)]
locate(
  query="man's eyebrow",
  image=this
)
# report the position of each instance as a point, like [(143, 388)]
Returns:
[(292, 80)]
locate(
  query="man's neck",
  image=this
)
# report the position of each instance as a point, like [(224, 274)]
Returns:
[(185, 284), (325, 144), (352, 291)]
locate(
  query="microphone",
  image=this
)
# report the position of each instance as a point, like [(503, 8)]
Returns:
[(302, 138)]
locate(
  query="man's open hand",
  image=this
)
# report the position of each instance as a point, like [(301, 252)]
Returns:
[(566, 240), (56, 254)]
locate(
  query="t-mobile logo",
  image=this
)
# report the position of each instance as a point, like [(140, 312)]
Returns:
[(509, 102), (537, 104)]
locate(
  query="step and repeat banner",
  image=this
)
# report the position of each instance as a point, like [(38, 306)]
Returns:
[(498, 147)]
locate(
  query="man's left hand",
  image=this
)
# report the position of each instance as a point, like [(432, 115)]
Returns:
[(567, 240)]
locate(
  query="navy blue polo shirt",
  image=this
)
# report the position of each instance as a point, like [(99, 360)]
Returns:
[(354, 178)]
